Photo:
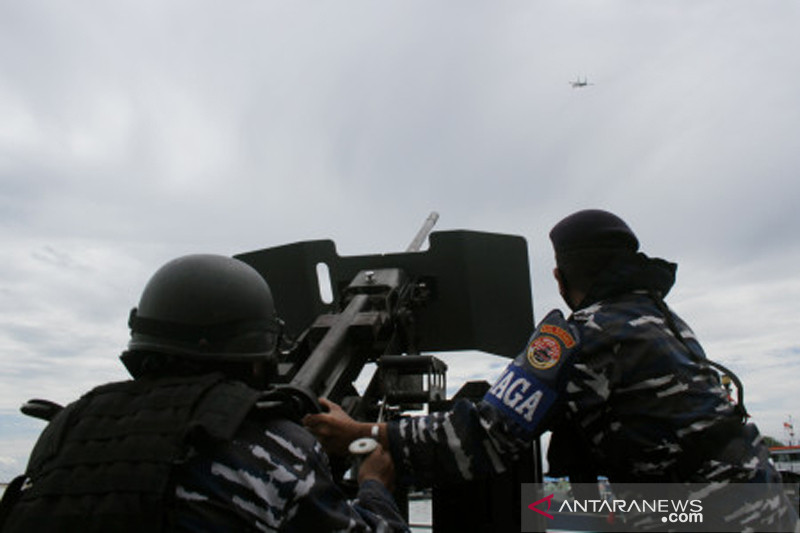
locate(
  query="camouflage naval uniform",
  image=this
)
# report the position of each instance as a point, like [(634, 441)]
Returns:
[(626, 389), (186, 454), (276, 477)]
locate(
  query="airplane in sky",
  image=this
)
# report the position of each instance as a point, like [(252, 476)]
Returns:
[(578, 83)]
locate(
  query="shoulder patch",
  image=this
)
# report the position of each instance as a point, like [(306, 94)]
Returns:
[(529, 386), (543, 352), (550, 342)]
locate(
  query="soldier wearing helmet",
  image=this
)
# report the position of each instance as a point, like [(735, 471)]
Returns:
[(622, 383), (193, 443)]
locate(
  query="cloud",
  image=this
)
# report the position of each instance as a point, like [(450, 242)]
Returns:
[(18, 436), (134, 132)]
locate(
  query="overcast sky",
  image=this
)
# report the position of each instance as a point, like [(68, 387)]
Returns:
[(135, 132)]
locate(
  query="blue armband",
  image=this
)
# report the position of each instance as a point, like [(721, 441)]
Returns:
[(528, 387), (521, 398)]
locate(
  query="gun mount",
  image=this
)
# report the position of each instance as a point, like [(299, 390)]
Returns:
[(469, 291)]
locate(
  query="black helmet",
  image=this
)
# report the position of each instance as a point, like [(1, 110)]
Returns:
[(205, 308)]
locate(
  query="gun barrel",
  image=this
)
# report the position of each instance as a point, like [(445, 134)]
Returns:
[(426, 228), (322, 372)]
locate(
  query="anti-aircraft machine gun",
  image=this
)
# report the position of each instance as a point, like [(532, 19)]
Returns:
[(468, 291)]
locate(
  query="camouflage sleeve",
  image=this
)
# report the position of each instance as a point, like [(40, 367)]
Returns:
[(320, 505), (377, 507), (275, 477), (325, 508), (479, 440)]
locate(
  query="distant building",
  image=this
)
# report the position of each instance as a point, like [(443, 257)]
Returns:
[(787, 461)]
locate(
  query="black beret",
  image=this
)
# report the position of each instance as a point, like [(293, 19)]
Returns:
[(592, 229)]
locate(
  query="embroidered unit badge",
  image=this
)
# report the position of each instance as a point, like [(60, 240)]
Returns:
[(544, 352)]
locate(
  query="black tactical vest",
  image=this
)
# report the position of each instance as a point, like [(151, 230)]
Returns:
[(105, 462)]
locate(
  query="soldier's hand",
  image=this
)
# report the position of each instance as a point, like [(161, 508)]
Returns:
[(335, 429), (378, 466)]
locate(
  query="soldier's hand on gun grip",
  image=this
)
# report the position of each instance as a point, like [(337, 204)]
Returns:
[(335, 429), (378, 466)]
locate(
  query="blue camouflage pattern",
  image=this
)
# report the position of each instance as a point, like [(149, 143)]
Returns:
[(639, 396), (632, 400), (649, 408), (274, 476)]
